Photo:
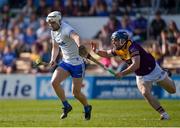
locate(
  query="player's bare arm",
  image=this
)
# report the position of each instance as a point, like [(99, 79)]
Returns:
[(101, 53), (54, 52), (133, 67), (76, 38)]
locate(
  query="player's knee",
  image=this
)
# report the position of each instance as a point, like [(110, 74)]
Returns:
[(54, 83), (173, 89), (145, 93)]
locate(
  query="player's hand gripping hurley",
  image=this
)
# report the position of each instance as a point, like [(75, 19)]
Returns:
[(84, 53), (38, 63)]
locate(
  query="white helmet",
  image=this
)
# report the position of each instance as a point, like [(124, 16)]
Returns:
[(54, 16)]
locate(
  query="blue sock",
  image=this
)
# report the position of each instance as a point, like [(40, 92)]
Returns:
[(86, 108), (66, 104)]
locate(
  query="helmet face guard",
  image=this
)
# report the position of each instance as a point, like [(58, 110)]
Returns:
[(121, 37), (54, 17)]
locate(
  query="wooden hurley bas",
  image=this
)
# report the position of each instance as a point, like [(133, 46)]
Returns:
[(84, 53)]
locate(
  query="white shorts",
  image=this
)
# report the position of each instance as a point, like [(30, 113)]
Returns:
[(156, 75)]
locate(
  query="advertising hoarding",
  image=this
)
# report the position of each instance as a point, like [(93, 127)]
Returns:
[(17, 86)]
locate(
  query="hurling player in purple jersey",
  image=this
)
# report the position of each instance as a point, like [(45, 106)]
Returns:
[(143, 65)]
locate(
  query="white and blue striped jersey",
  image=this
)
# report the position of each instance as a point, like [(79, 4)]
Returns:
[(68, 46)]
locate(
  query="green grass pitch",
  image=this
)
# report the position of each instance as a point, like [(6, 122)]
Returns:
[(106, 113)]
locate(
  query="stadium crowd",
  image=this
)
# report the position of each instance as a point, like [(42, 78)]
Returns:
[(27, 31)]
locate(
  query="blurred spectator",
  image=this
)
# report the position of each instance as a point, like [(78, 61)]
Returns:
[(173, 34), (58, 6), (42, 8), (140, 26), (169, 39), (3, 39), (19, 21), (173, 31), (17, 42), (157, 25), (113, 24), (29, 8), (6, 15), (70, 8), (33, 22), (18, 34), (104, 34), (29, 39), (130, 11), (115, 9), (156, 52), (6, 10), (84, 8), (8, 60), (126, 23), (35, 55), (46, 54), (178, 47), (99, 8), (43, 33), (12, 40), (45, 57), (164, 42), (168, 48)]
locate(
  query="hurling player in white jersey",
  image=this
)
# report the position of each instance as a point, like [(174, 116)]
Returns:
[(72, 64)]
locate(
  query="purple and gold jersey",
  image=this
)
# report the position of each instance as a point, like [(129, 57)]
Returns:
[(147, 62)]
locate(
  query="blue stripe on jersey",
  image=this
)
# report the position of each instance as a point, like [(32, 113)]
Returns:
[(76, 71)]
